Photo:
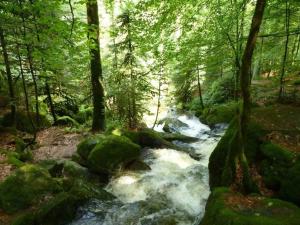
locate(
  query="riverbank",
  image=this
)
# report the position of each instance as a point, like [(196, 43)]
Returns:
[(272, 151), (158, 183)]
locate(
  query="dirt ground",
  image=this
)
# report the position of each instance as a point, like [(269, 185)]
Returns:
[(56, 143)]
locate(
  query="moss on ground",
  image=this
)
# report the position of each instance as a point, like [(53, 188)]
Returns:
[(290, 184), (227, 208), (26, 186)]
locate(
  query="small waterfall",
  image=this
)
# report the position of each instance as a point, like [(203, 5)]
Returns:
[(173, 192)]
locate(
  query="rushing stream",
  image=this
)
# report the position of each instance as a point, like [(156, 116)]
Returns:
[(173, 192)]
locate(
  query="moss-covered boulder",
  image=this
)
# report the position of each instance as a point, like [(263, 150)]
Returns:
[(137, 165), (178, 137), (86, 146), (26, 123), (62, 208), (111, 153), (275, 164), (290, 184), (228, 142), (147, 138), (26, 186), (228, 208)]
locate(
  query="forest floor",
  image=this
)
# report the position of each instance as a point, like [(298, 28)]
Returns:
[(56, 143), (52, 143), (283, 123)]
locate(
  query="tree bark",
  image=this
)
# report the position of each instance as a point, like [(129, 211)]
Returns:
[(245, 86), (31, 67), (48, 93), (159, 96), (25, 90), (9, 77), (95, 66), (286, 49), (199, 88)]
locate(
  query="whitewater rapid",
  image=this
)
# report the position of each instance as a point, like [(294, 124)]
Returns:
[(173, 192)]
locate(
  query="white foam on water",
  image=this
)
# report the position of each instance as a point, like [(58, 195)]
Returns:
[(195, 127), (177, 185)]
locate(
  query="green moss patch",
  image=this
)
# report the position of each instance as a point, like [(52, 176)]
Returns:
[(222, 113), (24, 122), (227, 208), (26, 186), (290, 184), (229, 143), (112, 152)]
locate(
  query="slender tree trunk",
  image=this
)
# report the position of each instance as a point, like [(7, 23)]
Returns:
[(31, 67), (9, 77), (133, 110), (96, 67), (245, 87), (287, 29), (25, 90), (199, 88), (159, 96), (36, 92), (48, 93)]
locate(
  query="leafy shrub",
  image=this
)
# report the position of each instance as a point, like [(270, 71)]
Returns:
[(222, 113), (24, 122), (221, 91)]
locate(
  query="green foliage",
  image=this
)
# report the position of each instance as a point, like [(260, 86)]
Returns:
[(13, 158), (24, 123), (222, 90), (67, 120), (223, 113), (27, 185)]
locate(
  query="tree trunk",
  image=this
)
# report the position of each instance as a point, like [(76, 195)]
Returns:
[(31, 68), (245, 87), (48, 93), (199, 88), (96, 67), (9, 77), (159, 96), (287, 29), (25, 90)]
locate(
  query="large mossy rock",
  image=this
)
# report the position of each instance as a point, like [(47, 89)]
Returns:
[(275, 164), (86, 146), (28, 185), (217, 160), (290, 184), (24, 122), (227, 208), (148, 138), (178, 137), (62, 208), (111, 153)]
